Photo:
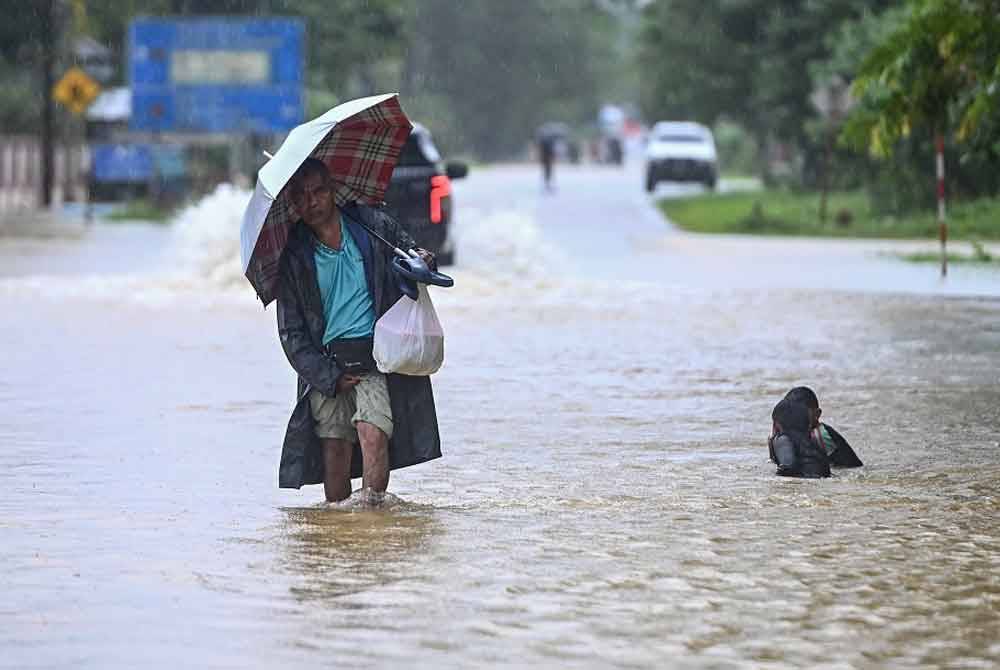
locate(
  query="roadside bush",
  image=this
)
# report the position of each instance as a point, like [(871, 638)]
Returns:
[(737, 149), (759, 222), (906, 182)]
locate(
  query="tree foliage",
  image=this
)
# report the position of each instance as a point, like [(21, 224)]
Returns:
[(483, 74), (938, 69), (749, 61), (488, 75), (697, 60)]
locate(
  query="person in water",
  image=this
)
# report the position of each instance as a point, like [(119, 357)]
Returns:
[(837, 449), (790, 446), (334, 282)]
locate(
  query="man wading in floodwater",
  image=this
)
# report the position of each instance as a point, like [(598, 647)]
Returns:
[(333, 284)]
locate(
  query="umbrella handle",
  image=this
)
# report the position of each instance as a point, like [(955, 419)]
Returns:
[(396, 250)]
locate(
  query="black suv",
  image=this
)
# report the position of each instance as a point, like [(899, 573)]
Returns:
[(419, 194)]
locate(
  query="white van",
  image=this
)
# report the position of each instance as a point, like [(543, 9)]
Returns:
[(681, 151)]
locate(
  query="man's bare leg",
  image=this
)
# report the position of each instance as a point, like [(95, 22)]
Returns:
[(337, 475), (375, 454)]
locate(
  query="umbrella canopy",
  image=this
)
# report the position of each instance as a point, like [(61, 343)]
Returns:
[(359, 141), (553, 130)]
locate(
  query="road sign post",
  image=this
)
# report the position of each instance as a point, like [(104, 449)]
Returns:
[(76, 90), (216, 75)]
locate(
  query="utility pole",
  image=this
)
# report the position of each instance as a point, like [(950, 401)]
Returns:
[(48, 44), (942, 221)]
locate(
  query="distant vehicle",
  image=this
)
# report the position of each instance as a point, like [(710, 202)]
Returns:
[(681, 151), (419, 194)]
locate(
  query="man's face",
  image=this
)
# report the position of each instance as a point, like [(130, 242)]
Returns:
[(312, 198), (814, 415)]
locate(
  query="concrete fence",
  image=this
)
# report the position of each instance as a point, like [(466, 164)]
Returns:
[(21, 173)]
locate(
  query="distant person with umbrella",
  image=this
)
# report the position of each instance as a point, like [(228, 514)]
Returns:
[(547, 137), (312, 241), (547, 154)]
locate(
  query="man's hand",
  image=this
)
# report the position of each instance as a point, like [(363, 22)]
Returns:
[(428, 258), (347, 382)]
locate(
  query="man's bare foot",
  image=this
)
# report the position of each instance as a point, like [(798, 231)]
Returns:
[(367, 498)]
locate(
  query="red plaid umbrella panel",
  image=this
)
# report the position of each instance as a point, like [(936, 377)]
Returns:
[(362, 152), (359, 141)]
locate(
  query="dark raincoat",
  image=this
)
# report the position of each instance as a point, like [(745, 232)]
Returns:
[(301, 326), (837, 449), (791, 448)]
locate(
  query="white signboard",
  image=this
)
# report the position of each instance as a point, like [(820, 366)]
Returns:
[(204, 66)]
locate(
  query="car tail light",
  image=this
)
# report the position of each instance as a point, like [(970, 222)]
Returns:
[(440, 188)]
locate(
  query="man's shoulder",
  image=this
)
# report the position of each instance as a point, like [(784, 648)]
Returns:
[(361, 213), (374, 219), (299, 242)]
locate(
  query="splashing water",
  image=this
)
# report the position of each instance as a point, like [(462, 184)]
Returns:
[(500, 246), (496, 251), (207, 236), (502, 256), (505, 245), (367, 499)]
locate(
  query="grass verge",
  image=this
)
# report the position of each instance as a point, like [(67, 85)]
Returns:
[(848, 215), (978, 256), (139, 210)]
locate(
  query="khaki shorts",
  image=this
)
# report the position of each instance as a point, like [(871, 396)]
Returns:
[(368, 402)]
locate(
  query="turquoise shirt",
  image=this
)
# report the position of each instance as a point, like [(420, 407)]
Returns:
[(347, 305)]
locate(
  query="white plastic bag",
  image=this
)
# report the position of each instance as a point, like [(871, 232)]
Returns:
[(408, 338)]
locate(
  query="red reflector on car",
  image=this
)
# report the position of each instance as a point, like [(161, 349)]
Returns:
[(440, 188)]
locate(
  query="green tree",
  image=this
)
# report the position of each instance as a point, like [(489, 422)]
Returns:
[(698, 60), (935, 68), (912, 79), (937, 71), (350, 46), (485, 77), (743, 60), (482, 74)]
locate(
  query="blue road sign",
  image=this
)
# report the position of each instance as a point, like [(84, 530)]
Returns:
[(216, 75), (136, 163)]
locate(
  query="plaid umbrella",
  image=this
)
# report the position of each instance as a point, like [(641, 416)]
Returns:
[(360, 143)]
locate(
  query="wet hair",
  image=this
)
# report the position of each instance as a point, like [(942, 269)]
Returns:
[(309, 168), (804, 395), (791, 415)]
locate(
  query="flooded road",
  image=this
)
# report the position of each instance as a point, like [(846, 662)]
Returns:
[(604, 499)]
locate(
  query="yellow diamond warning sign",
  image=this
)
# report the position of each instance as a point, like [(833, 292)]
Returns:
[(76, 90)]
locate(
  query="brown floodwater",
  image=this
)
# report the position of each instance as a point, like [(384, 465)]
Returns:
[(604, 499)]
